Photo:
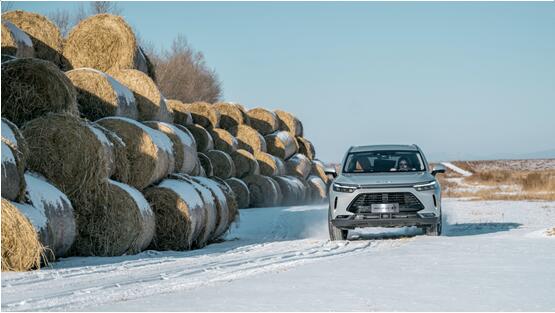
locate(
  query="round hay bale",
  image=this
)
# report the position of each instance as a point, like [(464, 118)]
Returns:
[(269, 165), (51, 212), (100, 95), (150, 102), (319, 170), (231, 115), (231, 198), (292, 191), (16, 42), (306, 147), (32, 88), (181, 114), (21, 248), (222, 164), (139, 211), (241, 190), (298, 165), (224, 140), (264, 121), (281, 144), (106, 219), (289, 123), (318, 189), (206, 164), (204, 114), (105, 42), (224, 215), (209, 207), (202, 137), (69, 151), (262, 189), (198, 170), (6, 58), (13, 183), (149, 151), (248, 138), (245, 163), (46, 37), (184, 146)]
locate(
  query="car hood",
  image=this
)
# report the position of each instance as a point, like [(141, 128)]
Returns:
[(394, 178)]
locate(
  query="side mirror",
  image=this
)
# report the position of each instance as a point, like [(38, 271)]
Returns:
[(330, 171), (438, 169)]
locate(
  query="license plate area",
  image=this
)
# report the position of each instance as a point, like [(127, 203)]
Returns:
[(385, 208)]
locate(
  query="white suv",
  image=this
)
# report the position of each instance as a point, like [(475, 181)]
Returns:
[(384, 186)]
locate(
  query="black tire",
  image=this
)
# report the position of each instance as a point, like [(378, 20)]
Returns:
[(336, 233), (433, 230)]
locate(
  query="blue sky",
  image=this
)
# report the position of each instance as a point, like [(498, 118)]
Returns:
[(462, 80)]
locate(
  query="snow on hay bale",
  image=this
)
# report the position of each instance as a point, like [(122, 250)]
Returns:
[(224, 140), (288, 122), (149, 151), (231, 115), (14, 153), (245, 163), (21, 248), (269, 165), (318, 169), (241, 190), (318, 189), (225, 214), (210, 210), (150, 102), (306, 147), (281, 144), (279, 193), (184, 146), (69, 151), (262, 189), (107, 43), (140, 216), (119, 165), (222, 164), (32, 88), (100, 95), (248, 138), (180, 214), (202, 137), (298, 165), (181, 114), (264, 121), (16, 42), (51, 212), (45, 36), (204, 114), (291, 188)]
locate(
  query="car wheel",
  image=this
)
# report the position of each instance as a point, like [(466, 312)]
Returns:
[(336, 233), (433, 230)]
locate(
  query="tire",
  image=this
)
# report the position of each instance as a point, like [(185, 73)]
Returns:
[(336, 233), (433, 230)]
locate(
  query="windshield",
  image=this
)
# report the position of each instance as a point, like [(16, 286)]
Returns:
[(384, 161)]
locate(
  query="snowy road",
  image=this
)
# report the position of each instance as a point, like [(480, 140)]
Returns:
[(493, 256)]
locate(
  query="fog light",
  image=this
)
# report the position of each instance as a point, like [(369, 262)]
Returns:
[(428, 215)]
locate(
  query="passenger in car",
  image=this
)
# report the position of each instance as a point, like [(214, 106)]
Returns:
[(403, 165)]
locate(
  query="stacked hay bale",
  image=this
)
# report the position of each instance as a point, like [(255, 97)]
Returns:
[(14, 155), (107, 43), (45, 36)]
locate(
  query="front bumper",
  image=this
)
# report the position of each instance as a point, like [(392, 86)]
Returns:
[(351, 222)]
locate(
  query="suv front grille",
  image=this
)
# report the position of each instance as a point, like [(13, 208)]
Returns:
[(407, 201)]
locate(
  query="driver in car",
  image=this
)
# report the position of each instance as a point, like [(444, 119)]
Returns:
[(403, 165)]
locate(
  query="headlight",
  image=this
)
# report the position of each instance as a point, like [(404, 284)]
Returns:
[(343, 188), (426, 186)]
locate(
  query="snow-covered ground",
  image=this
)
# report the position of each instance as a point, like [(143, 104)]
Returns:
[(494, 255)]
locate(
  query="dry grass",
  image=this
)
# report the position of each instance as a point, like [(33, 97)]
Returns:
[(551, 232)]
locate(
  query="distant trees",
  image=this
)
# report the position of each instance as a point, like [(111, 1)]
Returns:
[(181, 72)]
